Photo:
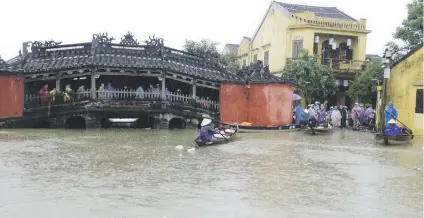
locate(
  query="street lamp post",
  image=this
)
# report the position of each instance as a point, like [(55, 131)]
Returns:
[(386, 65)]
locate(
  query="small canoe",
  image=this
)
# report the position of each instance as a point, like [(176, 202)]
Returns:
[(229, 135), (259, 129), (387, 139), (319, 130)]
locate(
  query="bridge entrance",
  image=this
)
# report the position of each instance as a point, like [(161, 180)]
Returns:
[(177, 123), (75, 122)]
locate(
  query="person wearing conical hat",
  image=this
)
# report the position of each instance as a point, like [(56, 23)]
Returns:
[(207, 132), (392, 129)]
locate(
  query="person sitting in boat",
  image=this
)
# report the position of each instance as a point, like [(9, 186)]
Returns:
[(207, 132), (392, 129), (390, 112)]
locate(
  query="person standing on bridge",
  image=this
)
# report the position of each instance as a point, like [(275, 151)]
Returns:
[(139, 92), (44, 93), (101, 91)]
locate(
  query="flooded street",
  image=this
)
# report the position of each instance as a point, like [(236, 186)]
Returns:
[(134, 173)]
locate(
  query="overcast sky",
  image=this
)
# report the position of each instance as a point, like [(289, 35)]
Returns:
[(223, 21)]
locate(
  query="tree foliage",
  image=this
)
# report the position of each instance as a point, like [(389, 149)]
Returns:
[(204, 48), (208, 49), (230, 60), (410, 33), (312, 80), (364, 84)]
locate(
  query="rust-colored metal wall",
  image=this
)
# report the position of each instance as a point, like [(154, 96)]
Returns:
[(233, 104), (270, 104), (261, 104), (11, 96)]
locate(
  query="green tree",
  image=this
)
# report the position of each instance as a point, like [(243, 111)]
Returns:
[(312, 80), (231, 61), (364, 84), (410, 33), (206, 48)]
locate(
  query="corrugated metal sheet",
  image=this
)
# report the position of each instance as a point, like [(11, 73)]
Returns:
[(11, 96), (261, 104)]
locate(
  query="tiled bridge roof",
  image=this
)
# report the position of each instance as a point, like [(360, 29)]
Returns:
[(126, 55)]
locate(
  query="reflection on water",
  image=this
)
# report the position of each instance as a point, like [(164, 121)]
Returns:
[(133, 173)]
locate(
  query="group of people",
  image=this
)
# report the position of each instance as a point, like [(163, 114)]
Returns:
[(337, 116), (316, 114), (47, 95)]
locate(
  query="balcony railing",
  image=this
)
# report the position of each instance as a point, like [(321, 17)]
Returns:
[(37, 101), (337, 65)]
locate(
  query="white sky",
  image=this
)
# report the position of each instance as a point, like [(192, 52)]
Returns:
[(223, 21)]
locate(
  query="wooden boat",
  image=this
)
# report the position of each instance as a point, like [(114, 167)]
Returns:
[(387, 139), (319, 129), (259, 129), (230, 137)]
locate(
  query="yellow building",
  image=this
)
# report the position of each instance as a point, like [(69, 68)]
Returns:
[(405, 89), (337, 39)]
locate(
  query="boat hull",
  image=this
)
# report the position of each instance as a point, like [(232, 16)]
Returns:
[(260, 129), (387, 139), (219, 141)]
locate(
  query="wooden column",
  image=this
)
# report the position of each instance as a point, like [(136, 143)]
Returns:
[(163, 94), (194, 90), (58, 83), (93, 86)]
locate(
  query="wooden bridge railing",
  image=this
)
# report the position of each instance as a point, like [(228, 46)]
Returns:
[(36, 100)]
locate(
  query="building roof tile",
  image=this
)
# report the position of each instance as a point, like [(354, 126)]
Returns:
[(102, 53), (326, 12)]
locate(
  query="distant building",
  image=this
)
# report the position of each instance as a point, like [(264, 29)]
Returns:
[(373, 57), (230, 48), (335, 38)]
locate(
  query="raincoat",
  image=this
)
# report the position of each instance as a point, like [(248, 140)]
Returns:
[(336, 118), (393, 130), (44, 95), (67, 95), (101, 91), (299, 114), (139, 93), (390, 113), (109, 90), (206, 134), (322, 115), (367, 114)]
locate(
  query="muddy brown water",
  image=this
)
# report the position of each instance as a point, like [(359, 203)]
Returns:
[(134, 173)]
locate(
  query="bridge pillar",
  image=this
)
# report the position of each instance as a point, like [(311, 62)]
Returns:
[(93, 86), (58, 83), (194, 91)]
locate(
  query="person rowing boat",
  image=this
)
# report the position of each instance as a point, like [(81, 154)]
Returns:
[(208, 134)]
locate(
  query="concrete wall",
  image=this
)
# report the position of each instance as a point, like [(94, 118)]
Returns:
[(406, 77), (261, 104), (11, 96)]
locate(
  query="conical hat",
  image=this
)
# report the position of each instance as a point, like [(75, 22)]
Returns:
[(206, 122)]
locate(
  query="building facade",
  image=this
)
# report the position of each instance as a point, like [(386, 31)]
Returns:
[(335, 38), (230, 49), (405, 89)]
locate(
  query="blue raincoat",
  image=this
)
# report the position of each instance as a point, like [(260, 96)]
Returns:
[(393, 130), (390, 113), (299, 114)]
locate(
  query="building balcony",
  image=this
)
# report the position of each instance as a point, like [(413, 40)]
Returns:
[(308, 20), (337, 65)]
